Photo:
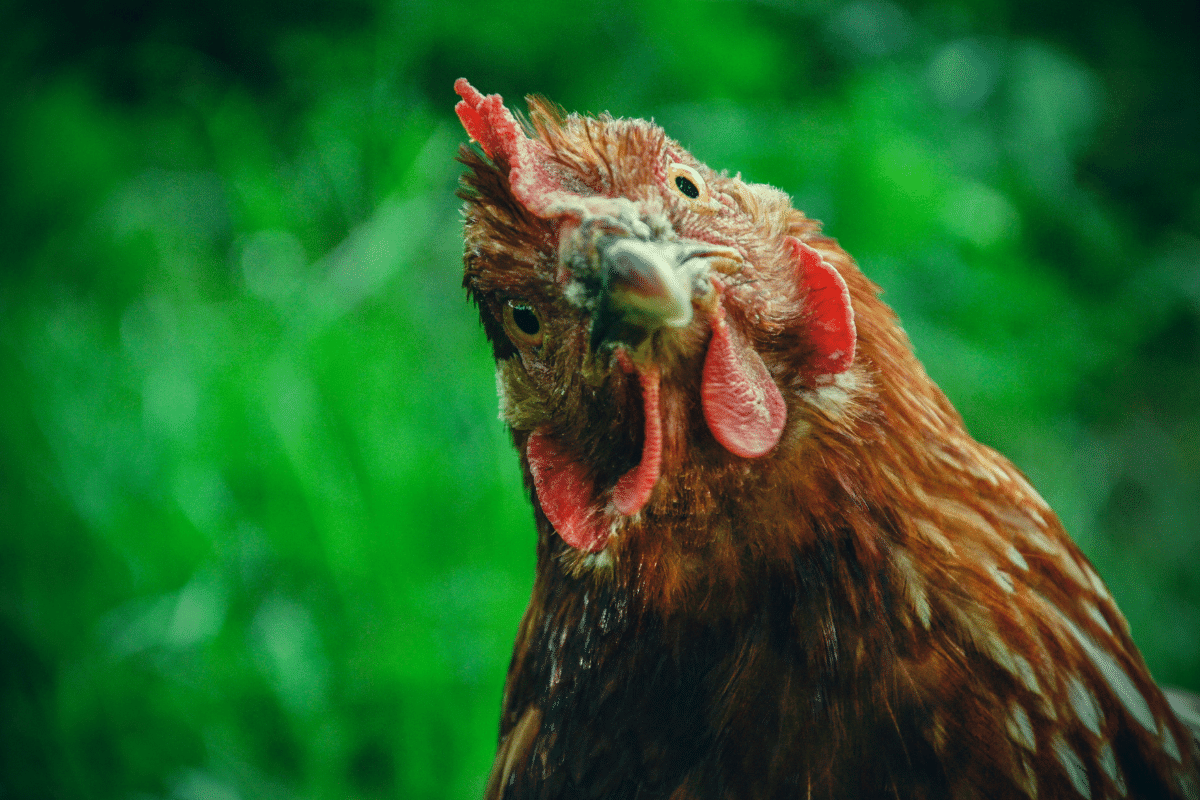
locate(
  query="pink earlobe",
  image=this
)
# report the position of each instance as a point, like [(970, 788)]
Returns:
[(828, 299)]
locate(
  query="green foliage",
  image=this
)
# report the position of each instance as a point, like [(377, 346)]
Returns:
[(263, 535)]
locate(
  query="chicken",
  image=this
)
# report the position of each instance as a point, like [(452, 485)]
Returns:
[(771, 563)]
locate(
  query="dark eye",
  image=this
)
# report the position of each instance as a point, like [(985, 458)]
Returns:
[(522, 324), (687, 187), (689, 183), (526, 320)]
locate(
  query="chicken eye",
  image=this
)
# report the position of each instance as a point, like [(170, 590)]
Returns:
[(688, 182), (526, 320), (522, 324), (687, 187)]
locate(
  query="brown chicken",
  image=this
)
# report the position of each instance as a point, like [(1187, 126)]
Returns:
[(771, 562)]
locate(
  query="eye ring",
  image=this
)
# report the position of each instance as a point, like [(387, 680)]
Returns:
[(688, 183), (523, 324)]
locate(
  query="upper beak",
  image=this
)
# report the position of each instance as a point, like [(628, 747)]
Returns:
[(647, 280), (649, 284)]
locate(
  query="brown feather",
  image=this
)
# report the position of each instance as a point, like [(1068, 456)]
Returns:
[(880, 606)]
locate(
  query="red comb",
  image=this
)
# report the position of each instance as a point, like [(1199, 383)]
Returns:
[(499, 134), (487, 120)]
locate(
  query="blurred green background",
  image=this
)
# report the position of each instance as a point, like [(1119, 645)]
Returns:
[(262, 533)]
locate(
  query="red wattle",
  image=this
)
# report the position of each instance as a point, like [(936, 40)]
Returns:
[(741, 403), (565, 494), (633, 489)]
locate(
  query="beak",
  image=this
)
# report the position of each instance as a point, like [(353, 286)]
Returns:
[(650, 284), (647, 281)]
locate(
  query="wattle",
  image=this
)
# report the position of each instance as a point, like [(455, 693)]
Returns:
[(568, 496), (741, 403), (565, 493)]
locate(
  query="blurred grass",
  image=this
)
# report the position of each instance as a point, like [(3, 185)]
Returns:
[(263, 535)]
